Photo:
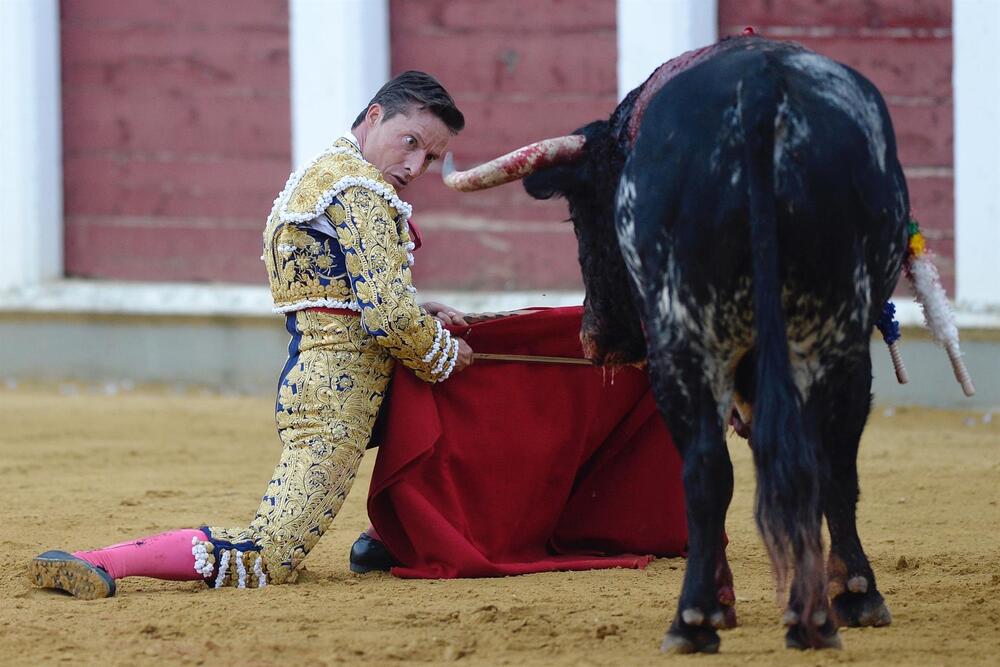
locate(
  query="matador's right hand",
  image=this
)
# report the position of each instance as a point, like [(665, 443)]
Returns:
[(464, 358)]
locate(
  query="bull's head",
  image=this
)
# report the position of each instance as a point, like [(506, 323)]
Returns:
[(583, 167)]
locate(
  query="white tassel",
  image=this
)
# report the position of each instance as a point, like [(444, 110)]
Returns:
[(325, 199), (926, 284), (451, 365), (241, 571), (318, 303), (203, 561), (223, 568), (438, 337), (258, 570), (296, 176), (450, 350)]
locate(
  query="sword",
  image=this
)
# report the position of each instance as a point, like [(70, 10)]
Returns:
[(530, 358)]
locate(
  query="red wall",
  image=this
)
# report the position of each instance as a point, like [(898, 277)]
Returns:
[(176, 136), (904, 47), (177, 133), (520, 70)]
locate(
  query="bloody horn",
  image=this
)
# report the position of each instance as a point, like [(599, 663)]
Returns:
[(514, 165)]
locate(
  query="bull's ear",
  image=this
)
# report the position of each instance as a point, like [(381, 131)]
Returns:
[(596, 132), (552, 182), (571, 180)]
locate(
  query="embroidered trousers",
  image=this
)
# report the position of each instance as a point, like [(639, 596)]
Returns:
[(329, 396)]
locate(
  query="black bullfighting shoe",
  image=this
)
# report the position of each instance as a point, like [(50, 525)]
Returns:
[(66, 572), (369, 554)]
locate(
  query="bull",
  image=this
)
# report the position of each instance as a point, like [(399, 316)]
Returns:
[(741, 219)]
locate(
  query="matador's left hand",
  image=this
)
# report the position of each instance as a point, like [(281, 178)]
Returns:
[(448, 315)]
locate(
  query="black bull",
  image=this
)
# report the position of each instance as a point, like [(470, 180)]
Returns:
[(743, 242)]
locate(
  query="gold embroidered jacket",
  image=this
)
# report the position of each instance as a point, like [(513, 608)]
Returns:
[(338, 237)]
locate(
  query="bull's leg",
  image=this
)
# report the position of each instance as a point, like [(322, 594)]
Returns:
[(856, 600), (708, 488)]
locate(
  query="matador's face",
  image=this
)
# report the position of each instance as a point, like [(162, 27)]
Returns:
[(403, 146)]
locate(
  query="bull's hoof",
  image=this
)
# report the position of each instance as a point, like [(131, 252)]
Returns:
[(725, 619), (801, 638), (861, 609), (683, 638)]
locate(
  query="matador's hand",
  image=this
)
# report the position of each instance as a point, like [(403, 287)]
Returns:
[(448, 315), (464, 355)]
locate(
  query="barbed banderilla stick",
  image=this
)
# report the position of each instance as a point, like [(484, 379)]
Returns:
[(897, 363), (531, 358)]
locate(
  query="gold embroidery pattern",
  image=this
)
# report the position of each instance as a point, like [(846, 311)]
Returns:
[(375, 256), (298, 266), (329, 402), (374, 241)]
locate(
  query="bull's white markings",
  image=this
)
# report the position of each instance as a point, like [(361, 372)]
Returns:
[(817, 337), (791, 132), (719, 335), (731, 136), (729, 334), (734, 177), (862, 294), (672, 309), (625, 228), (837, 87), (718, 354)]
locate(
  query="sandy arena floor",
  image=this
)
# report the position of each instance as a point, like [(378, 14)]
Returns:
[(82, 469)]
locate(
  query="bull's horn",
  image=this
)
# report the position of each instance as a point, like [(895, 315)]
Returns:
[(514, 165)]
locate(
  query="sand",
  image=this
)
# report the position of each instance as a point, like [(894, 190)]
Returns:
[(84, 467)]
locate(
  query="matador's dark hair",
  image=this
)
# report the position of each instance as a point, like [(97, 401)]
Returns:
[(417, 89)]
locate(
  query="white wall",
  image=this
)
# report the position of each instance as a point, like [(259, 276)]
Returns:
[(339, 52), (31, 226), (976, 83), (650, 32)]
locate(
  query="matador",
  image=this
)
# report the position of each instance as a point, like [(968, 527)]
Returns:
[(338, 250)]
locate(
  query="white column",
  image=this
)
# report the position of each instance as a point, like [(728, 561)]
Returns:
[(650, 32), (31, 225), (976, 83), (339, 52)]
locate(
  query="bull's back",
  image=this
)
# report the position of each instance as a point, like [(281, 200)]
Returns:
[(838, 188)]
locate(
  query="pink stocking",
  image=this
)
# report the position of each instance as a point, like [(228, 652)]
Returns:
[(164, 556)]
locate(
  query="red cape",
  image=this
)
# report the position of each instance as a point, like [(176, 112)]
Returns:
[(513, 467)]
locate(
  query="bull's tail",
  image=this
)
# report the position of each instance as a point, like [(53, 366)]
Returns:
[(788, 501)]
